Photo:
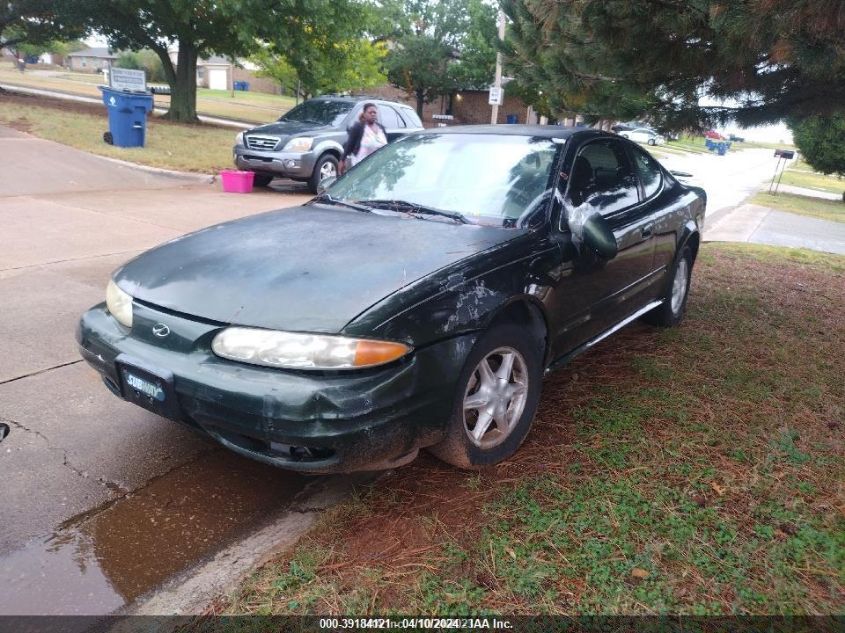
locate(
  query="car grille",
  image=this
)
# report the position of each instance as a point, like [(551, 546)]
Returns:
[(262, 142)]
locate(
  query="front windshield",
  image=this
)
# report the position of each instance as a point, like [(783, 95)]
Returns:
[(488, 178), (320, 111)]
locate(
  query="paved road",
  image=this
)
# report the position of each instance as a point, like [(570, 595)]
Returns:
[(100, 500), (728, 180)]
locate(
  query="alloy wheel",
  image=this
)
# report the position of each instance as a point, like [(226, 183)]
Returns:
[(327, 170), (679, 285), (495, 397)]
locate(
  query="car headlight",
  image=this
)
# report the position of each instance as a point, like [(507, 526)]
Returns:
[(239, 139), (301, 144), (292, 350), (119, 304)]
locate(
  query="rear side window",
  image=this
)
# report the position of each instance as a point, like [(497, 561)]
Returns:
[(648, 171), (388, 117), (410, 117), (602, 177), (401, 121)]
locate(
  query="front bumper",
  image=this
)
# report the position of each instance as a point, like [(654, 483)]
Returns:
[(296, 165), (320, 423)]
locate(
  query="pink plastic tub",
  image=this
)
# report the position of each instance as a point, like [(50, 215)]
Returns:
[(235, 181)]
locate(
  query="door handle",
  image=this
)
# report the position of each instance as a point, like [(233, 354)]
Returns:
[(647, 230)]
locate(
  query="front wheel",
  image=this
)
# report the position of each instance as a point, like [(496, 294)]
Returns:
[(326, 167), (652, 142), (671, 311), (495, 401)]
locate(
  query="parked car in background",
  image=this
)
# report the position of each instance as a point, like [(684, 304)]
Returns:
[(643, 135), (307, 142), (736, 139), (416, 303)]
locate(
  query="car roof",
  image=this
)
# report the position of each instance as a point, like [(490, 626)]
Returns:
[(356, 99), (542, 131)]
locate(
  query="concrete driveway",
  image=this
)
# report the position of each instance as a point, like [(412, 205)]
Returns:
[(100, 500)]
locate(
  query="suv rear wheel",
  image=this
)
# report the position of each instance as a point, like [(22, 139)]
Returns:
[(326, 167)]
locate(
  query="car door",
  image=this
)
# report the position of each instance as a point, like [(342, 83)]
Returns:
[(594, 293), (664, 208)]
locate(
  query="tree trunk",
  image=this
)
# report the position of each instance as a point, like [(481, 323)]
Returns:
[(420, 101), (183, 84)]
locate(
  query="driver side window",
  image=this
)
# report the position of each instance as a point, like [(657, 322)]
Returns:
[(601, 179)]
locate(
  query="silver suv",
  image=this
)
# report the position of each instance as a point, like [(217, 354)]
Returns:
[(307, 142)]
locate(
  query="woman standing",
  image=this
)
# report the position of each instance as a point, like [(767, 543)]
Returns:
[(365, 137)]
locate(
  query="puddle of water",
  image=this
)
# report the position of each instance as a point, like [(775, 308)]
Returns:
[(107, 560)]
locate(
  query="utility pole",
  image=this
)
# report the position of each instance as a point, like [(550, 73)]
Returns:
[(497, 83)]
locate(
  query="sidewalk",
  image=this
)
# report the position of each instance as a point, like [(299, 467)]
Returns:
[(812, 193), (762, 225)]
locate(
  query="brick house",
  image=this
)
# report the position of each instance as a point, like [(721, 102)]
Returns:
[(90, 60)]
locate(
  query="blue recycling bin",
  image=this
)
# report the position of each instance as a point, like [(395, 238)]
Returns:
[(721, 149), (709, 144), (127, 115), (511, 118)]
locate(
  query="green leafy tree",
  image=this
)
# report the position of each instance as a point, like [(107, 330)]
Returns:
[(145, 60), (419, 65), (476, 63), (29, 26), (201, 28), (446, 45), (326, 51), (351, 65), (821, 140), (757, 61)]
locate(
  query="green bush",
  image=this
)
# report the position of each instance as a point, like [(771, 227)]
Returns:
[(145, 60)]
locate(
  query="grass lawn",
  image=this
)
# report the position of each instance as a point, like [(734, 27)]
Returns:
[(695, 470), (802, 205), (694, 144), (801, 174), (252, 107), (198, 148)]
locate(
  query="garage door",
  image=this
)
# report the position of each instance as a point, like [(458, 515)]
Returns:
[(217, 79)]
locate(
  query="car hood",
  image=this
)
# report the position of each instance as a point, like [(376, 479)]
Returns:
[(288, 128), (310, 268)]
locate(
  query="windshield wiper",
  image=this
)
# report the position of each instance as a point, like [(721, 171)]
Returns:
[(413, 208), (326, 198)]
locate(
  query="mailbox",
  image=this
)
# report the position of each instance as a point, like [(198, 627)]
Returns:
[(787, 154)]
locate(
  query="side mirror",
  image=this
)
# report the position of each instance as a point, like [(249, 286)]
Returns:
[(325, 183), (599, 236)]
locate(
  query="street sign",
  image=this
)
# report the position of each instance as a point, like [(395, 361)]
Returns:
[(129, 80), (497, 96)]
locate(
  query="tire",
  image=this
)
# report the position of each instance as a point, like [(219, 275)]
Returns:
[(326, 166), (262, 180), (652, 142), (671, 312), (512, 409)]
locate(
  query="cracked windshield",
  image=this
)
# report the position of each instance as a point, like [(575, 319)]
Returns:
[(510, 176)]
